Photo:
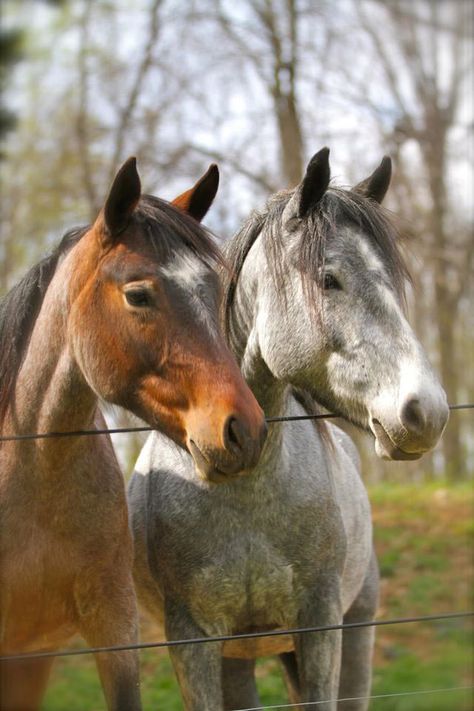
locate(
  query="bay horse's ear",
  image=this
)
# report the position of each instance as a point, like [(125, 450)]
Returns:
[(376, 185), (315, 182), (123, 198), (197, 200)]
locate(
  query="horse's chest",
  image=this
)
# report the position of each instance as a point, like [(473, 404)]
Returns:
[(254, 589), (37, 598)]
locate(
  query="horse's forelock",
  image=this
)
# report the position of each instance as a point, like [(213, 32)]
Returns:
[(380, 229), (170, 229)]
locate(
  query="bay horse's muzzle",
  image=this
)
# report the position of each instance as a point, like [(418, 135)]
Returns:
[(241, 441)]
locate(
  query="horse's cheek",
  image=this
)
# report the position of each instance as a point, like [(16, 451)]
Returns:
[(105, 365)]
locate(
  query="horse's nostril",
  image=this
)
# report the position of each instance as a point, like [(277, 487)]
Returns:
[(240, 443), (412, 416), (234, 435)]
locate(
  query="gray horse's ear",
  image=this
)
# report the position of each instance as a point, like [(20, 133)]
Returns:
[(197, 200), (376, 185), (122, 199), (315, 182)]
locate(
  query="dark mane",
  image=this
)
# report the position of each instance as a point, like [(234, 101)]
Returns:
[(167, 228), (19, 310), (336, 208)]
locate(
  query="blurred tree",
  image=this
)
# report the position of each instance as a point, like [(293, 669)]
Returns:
[(10, 53), (426, 66), (276, 63), (270, 37)]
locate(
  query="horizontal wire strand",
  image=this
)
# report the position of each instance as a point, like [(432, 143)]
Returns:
[(228, 638), (360, 698), (224, 638), (119, 430)]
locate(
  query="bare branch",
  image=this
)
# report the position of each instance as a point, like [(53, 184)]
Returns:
[(462, 66), (142, 70), (457, 30), (388, 68), (228, 26), (233, 163), (82, 126)]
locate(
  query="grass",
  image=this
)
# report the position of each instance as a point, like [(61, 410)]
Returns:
[(423, 535)]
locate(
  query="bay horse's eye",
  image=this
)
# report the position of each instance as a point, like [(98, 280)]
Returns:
[(330, 282), (138, 297)]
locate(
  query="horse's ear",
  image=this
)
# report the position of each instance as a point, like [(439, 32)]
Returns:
[(315, 182), (122, 199), (376, 185), (197, 200)]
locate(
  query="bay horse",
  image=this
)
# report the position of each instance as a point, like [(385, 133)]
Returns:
[(314, 316), (125, 310)]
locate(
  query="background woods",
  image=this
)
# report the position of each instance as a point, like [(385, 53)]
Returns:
[(257, 86)]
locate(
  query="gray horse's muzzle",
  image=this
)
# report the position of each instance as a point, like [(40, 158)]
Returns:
[(412, 427)]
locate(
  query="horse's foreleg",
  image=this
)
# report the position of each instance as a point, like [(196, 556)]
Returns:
[(198, 667), (119, 676), (238, 682), (357, 646), (23, 683), (318, 654), (108, 617), (290, 672)]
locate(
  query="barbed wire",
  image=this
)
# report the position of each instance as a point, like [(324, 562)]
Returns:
[(359, 698), (120, 430), (229, 638)]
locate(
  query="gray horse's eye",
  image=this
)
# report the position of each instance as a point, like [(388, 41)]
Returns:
[(330, 282)]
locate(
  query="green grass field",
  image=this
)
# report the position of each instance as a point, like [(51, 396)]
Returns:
[(423, 536)]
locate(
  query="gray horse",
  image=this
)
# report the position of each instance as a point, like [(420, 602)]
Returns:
[(313, 311)]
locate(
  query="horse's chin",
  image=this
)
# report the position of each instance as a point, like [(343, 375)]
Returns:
[(385, 448), (208, 471)]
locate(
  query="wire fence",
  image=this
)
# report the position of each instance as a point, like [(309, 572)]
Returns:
[(305, 704), (250, 635), (230, 637), (119, 430)]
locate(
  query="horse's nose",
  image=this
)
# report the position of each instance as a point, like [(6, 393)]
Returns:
[(412, 416), (423, 415), (240, 443)]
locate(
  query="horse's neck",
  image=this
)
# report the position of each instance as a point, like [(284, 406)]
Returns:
[(51, 393), (272, 394)]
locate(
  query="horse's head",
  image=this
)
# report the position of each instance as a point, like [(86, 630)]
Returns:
[(331, 319), (143, 324)]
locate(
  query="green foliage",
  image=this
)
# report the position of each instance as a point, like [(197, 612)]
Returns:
[(448, 667)]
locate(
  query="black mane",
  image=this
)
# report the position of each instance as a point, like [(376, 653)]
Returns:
[(19, 310), (169, 229)]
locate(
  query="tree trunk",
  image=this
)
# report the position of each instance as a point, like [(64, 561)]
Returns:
[(445, 306), (291, 142)]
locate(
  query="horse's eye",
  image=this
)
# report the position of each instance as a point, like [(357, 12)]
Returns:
[(138, 297), (330, 282)]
